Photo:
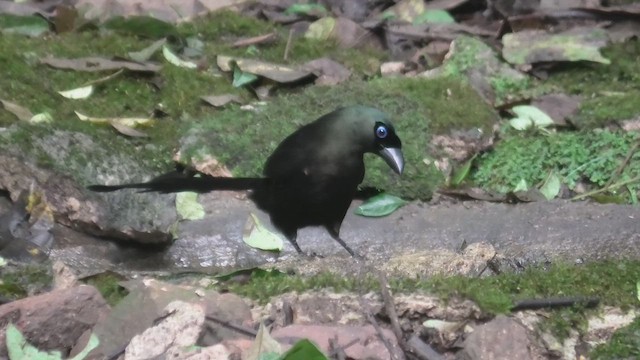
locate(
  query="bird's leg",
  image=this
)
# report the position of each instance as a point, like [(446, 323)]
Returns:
[(334, 231), (292, 236)]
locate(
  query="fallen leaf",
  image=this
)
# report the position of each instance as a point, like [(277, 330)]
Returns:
[(276, 72), (128, 121), (175, 60), (315, 10), (20, 112), (146, 53), (304, 350), (434, 17), (328, 72), (407, 10), (44, 117), (92, 64), (551, 187), (380, 205), (257, 236), (188, 207), (528, 116), (242, 78), (221, 100), (461, 174), (263, 346), (79, 93), (128, 131)]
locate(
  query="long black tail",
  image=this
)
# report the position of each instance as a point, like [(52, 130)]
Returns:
[(176, 181)]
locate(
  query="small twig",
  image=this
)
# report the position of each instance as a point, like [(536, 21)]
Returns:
[(338, 351), (487, 265), (623, 164), (422, 349), (254, 40), (390, 309), (288, 47), (533, 304), (613, 186), (384, 340), (240, 329)]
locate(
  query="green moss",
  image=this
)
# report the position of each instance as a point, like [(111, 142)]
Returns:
[(607, 108), (592, 156), (108, 284), (242, 140), (625, 344), (610, 92), (613, 282), (20, 281)]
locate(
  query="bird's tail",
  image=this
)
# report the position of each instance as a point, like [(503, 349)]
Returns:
[(176, 181)]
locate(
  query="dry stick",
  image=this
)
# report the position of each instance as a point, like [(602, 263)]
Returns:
[(390, 309), (338, 351), (240, 329), (613, 186), (288, 47), (384, 340), (624, 164)]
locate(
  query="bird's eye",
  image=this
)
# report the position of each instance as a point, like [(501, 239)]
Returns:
[(381, 132)]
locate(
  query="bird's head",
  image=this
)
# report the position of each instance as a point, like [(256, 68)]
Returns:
[(375, 134)]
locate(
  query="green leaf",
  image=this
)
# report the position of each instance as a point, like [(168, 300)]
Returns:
[(551, 187), (241, 78), (258, 236), (19, 349), (522, 186), (529, 116), (91, 344), (3, 262), (304, 350), (188, 207), (435, 16), (321, 29), (306, 9), (633, 194), (460, 174), (175, 60), (380, 205)]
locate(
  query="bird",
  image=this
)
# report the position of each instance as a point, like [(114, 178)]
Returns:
[(311, 177)]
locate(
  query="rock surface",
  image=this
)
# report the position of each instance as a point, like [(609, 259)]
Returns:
[(55, 320)]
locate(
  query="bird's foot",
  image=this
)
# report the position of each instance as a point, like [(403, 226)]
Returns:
[(314, 255)]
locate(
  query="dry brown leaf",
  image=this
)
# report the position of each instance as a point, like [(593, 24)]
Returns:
[(221, 100), (329, 72), (276, 72), (92, 64), (20, 112), (128, 131)]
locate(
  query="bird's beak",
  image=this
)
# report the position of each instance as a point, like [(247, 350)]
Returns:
[(393, 157)]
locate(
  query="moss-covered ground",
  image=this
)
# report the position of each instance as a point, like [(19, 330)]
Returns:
[(420, 107)]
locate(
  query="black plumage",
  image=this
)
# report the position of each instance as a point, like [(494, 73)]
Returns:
[(312, 176)]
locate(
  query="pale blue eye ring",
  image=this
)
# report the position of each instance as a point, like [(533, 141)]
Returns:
[(381, 132)]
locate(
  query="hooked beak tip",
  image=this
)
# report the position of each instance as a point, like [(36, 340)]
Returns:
[(394, 158)]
